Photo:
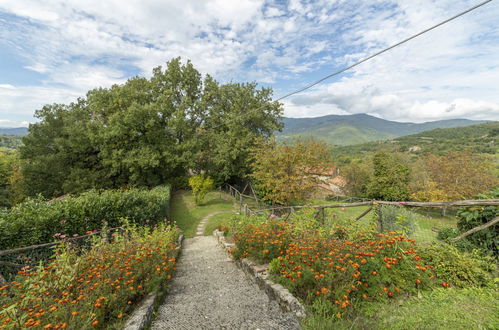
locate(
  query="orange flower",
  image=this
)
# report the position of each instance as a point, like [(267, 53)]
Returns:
[(95, 323)]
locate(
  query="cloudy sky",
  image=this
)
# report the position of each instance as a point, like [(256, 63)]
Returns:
[(53, 51)]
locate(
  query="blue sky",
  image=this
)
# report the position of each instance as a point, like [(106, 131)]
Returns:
[(54, 51)]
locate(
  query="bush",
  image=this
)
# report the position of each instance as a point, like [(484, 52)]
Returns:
[(458, 268), (37, 221), (447, 233), (200, 185), (93, 289), (474, 216), (262, 242)]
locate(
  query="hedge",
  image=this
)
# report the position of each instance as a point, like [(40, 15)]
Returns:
[(37, 221)]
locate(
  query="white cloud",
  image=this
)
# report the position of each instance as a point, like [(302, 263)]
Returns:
[(12, 123), (78, 45)]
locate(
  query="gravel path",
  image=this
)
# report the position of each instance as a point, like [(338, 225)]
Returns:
[(210, 292), (202, 223)]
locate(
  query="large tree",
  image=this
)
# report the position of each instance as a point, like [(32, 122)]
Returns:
[(390, 180), (146, 132), (288, 173), (458, 176)]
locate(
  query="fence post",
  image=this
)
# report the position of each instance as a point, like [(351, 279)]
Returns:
[(380, 218)]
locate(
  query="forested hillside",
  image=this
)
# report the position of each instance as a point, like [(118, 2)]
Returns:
[(482, 138), (359, 128), (10, 141)]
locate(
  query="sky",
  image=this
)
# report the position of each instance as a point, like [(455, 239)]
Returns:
[(54, 51)]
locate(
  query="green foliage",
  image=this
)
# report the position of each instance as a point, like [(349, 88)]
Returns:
[(92, 288), (458, 268), (10, 141), (37, 221), (357, 175), (390, 179), (200, 186), (262, 242), (287, 173), (473, 216), (147, 131), (8, 161), (477, 138), (338, 272), (398, 219)]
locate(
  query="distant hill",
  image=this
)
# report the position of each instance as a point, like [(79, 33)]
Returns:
[(359, 128), (14, 131), (482, 138)]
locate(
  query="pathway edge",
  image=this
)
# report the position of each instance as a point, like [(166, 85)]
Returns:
[(257, 273), (142, 316)]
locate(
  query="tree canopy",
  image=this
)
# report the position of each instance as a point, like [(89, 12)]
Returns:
[(146, 132), (287, 173)]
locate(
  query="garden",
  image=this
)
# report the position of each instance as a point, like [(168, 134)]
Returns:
[(96, 288), (350, 275), (84, 261)]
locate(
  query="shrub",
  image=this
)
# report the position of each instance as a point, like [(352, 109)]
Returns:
[(473, 216), (93, 289), (37, 221), (458, 268), (200, 185), (262, 242)]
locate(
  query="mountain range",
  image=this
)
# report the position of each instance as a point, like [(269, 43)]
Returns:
[(359, 128), (13, 130)]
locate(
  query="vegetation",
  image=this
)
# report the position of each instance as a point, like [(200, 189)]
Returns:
[(219, 221), (93, 289), (187, 214), (10, 141), (352, 277), (457, 176), (200, 186), (474, 216), (390, 178), (287, 173), (481, 138), (37, 221), (357, 128), (147, 131), (9, 178), (330, 271)]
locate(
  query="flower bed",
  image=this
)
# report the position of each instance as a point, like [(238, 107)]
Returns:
[(331, 273), (92, 289)]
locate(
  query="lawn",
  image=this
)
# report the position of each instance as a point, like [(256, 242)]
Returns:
[(215, 221), (471, 308), (187, 214)]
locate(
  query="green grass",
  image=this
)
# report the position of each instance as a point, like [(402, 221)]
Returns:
[(188, 215), (471, 308), (427, 224), (215, 221), (424, 231)]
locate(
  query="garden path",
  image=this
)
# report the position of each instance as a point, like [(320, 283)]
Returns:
[(210, 292)]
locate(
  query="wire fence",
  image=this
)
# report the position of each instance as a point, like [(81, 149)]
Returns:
[(13, 260)]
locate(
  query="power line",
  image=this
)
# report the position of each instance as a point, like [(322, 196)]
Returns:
[(383, 51), (378, 53)]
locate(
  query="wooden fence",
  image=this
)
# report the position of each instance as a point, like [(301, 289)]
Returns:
[(286, 211)]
